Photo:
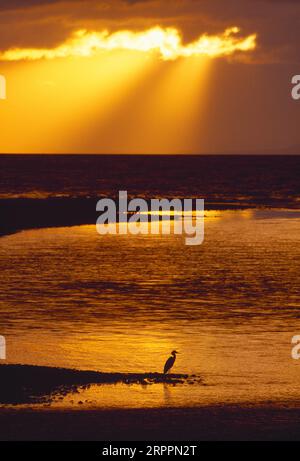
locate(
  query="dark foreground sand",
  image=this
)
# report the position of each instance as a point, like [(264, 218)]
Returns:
[(201, 424), (25, 213), (27, 384), (21, 385)]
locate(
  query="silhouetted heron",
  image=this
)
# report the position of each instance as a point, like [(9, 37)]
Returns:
[(170, 362)]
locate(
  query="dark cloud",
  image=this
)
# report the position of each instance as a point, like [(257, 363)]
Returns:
[(12, 4), (248, 107), (277, 22)]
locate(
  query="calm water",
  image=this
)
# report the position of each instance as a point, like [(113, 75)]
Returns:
[(71, 298), (240, 181)]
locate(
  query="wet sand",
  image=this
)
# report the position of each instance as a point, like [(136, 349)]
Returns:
[(192, 424), (25, 384), (25, 213), (22, 385)]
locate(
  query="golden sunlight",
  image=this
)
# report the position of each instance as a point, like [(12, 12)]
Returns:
[(165, 41)]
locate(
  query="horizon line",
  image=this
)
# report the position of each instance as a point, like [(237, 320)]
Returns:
[(205, 154)]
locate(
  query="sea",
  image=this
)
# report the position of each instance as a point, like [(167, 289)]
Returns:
[(72, 298)]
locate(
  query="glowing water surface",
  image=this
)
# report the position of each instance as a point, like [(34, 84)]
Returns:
[(70, 298)]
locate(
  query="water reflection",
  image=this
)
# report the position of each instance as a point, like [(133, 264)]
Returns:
[(121, 303)]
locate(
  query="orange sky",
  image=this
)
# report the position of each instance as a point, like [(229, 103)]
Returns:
[(152, 76)]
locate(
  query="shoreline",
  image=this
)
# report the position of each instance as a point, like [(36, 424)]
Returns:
[(30, 384), (208, 422), (23, 214)]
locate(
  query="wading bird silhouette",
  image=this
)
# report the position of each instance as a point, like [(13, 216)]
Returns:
[(170, 362)]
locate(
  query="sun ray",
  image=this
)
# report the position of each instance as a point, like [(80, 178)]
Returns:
[(100, 92)]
